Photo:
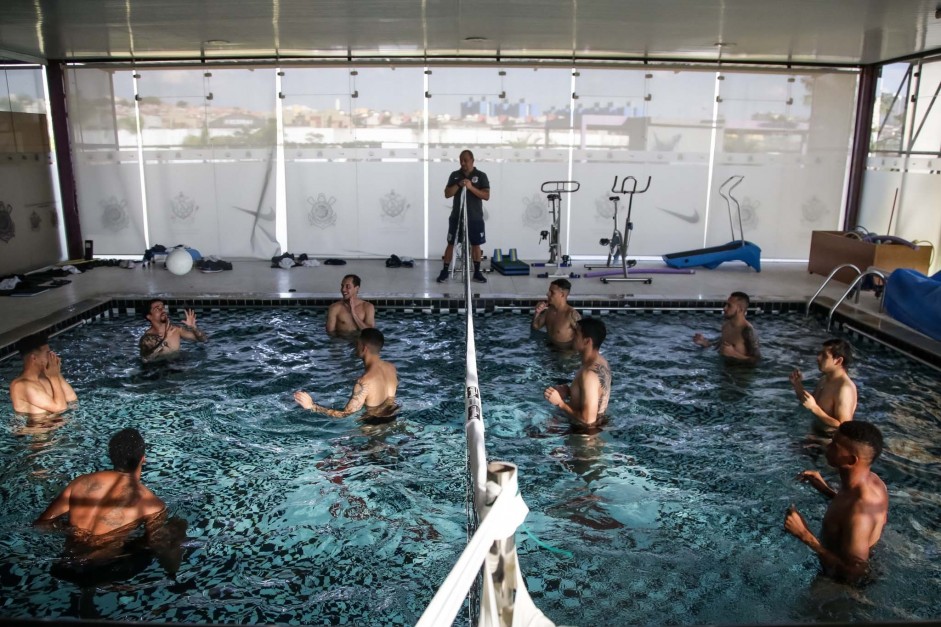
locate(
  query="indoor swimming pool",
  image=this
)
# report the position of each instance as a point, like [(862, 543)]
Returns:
[(673, 514)]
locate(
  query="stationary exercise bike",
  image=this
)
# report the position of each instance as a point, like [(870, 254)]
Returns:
[(554, 191), (618, 243)]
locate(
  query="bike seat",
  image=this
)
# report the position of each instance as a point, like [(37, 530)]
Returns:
[(614, 198)]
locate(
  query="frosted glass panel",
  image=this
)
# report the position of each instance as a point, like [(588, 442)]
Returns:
[(789, 136), (637, 123), (29, 219), (209, 152), (926, 115), (517, 123), (353, 152)]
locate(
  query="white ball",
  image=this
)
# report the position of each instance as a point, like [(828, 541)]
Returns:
[(179, 262)]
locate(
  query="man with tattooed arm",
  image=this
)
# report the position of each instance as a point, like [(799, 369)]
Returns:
[(375, 390), (585, 400), (738, 340)]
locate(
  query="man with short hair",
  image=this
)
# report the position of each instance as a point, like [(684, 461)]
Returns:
[(585, 400), (352, 313), (556, 315), (375, 390), (40, 388), (478, 190), (857, 512), (738, 340), (162, 339), (106, 501), (833, 401)]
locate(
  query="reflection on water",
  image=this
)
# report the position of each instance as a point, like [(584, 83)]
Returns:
[(671, 513)]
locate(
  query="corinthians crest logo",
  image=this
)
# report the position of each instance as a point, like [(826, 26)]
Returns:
[(321, 214), (750, 212), (114, 214), (813, 209), (393, 206), (534, 213), (183, 208), (604, 208), (7, 228)]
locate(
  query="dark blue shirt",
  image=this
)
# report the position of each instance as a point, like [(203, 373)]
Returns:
[(475, 205)]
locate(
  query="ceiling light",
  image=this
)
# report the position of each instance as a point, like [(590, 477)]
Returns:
[(724, 44), (475, 39), (217, 42)]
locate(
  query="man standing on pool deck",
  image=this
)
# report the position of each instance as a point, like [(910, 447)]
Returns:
[(352, 314), (587, 395), (40, 388), (375, 389), (739, 340), (556, 315), (478, 190), (162, 339), (859, 509), (834, 399)]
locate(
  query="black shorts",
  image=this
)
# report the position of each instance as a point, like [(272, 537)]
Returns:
[(475, 229)]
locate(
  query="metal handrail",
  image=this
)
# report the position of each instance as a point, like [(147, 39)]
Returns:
[(827, 281), (857, 281)]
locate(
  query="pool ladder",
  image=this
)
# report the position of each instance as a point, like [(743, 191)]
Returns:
[(860, 275)]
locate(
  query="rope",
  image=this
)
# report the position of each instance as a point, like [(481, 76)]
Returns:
[(546, 545)]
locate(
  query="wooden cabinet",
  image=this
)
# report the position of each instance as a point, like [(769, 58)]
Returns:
[(829, 249)]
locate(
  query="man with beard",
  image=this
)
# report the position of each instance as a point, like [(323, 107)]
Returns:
[(738, 341), (162, 339)]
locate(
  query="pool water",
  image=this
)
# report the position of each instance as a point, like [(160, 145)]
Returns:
[(672, 515)]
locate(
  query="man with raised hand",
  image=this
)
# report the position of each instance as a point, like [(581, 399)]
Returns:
[(375, 390), (162, 339), (556, 315), (833, 401), (738, 340), (40, 388), (858, 510), (585, 400)]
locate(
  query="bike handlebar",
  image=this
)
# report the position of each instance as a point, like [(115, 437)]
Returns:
[(560, 187), (614, 185)]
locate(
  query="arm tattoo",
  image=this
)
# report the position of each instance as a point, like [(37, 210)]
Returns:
[(751, 343), (355, 403), (604, 380), (199, 335), (150, 344)]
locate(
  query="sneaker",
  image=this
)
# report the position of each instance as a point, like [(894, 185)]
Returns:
[(443, 275), (479, 277)]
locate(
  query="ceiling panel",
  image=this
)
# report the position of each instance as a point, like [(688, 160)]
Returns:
[(780, 31)]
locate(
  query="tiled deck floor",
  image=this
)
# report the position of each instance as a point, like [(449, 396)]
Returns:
[(256, 279)]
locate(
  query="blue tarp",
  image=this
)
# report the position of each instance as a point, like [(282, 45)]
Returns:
[(915, 300)]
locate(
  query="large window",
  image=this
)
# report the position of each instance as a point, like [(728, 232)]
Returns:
[(365, 153), (902, 186), (29, 215)]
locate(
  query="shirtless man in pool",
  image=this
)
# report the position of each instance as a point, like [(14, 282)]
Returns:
[(103, 509), (834, 399), (585, 400), (375, 390), (352, 314), (162, 339), (738, 340), (858, 510), (556, 315), (40, 388)]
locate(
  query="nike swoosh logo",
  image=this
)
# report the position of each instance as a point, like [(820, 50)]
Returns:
[(692, 218)]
